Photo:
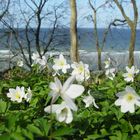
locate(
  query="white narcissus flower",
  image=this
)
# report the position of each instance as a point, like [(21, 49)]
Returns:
[(110, 73), (63, 112), (20, 63), (68, 91), (61, 64), (107, 63), (16, 94), (89, 100), (28, 95), (80, 71), (127, 100), (129, 76)]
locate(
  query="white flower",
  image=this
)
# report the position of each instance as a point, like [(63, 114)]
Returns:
[(61, 64), (81, 71), (129, 76), (28, 95), (68, 91), (20, 63), (38, 60), (16, 94), (107, 63), (89, 100), (35, 56), (136, 71), (63, 112), (127, 100), (110, 73), (42, 61)]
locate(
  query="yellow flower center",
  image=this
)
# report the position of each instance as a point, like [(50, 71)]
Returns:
[(106, 62), (17, 95), (130, 97), (81, 69), (62, 63), (130, 75)]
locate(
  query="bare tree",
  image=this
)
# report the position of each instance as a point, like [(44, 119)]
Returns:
[(4, 5), (132, 24), (33, 39), (99, 47), (73, 32)]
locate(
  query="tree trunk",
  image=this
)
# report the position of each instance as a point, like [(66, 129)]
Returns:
[(99, 51), (132, 46), (73, 32), (99, 59), (132, 24)]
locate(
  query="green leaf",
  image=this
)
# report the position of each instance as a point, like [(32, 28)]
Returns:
[(119, 136), (17, 136), (3, 106), (5, 137), (11, 121), (103, 88), (44, 126), (137, 128), (136, 137), (26, 133), (117, 112), (34, 129), (63, 131)]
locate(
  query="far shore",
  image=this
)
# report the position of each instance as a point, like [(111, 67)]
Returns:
[(120, 59)]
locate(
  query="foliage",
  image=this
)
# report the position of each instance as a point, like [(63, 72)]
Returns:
[(28, 121)]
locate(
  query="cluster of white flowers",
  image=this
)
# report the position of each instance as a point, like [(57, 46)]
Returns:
[(110, 72), (68, 92), (80, 70), (19, 94), (129, 98), (42, 61), (131, 72)]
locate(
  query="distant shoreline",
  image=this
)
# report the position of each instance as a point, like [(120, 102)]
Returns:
[(120, 59)]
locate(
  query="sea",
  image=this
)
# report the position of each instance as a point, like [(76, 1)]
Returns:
[(116, 46)]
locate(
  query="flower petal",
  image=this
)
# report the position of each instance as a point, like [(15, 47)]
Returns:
[(95, 103), (69, 116), (129, 89), (118, 102), (70, 103), (58, 83), (75, 91), (121, 94), (54, 107), (68, 82)]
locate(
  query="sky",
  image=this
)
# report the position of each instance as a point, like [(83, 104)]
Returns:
[(104, 15)]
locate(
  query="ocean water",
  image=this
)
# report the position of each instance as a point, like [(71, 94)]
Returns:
[(117, 39), (116, 47)]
